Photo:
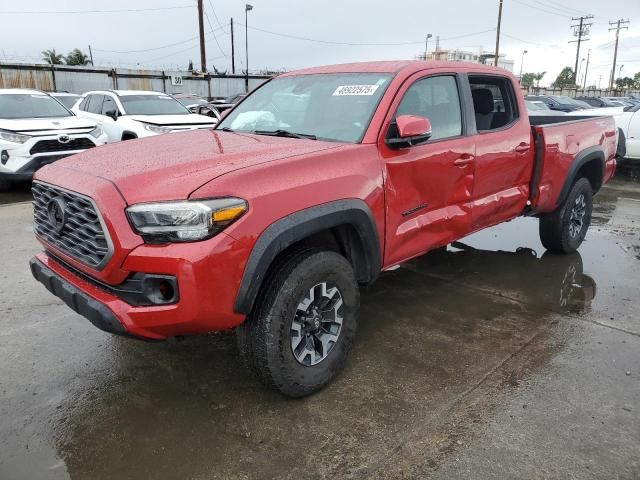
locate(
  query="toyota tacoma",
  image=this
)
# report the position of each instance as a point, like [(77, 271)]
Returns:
[(307, 189)]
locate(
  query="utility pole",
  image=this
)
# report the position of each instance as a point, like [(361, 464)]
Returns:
[(495, 60), (524, 52), (203, 56), (437, 46), (91, 56), (618, 26), (580, 30), (233, 51), (586, 70), (247, 9), (426, 46)]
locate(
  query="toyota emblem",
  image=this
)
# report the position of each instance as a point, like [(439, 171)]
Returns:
[(56, 211), (64, 139)]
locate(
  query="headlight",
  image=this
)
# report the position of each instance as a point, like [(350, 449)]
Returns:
[(187, 221), (13, 137), (96, 132), (156, 128)]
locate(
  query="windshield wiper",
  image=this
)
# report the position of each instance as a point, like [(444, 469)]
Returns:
[(227, 129), (285, 133)]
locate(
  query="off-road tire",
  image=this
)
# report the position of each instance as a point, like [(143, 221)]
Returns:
[(264, 339), (556, 227)]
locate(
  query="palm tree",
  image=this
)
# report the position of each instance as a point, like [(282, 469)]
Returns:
[(76, 57), (51, 57)]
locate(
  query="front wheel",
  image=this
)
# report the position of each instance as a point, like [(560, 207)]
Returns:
[(301, 329), (563, 230)]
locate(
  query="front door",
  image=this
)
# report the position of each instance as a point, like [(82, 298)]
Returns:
[(428, 187)]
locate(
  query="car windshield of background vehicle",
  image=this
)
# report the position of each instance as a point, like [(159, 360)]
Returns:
[(152, 105), (67, 100), (192, 101), (335, 107), (15, 106)]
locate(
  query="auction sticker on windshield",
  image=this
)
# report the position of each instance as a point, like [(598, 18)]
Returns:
[(343, 90)]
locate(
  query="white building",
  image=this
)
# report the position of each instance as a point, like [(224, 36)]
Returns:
[(455, 55)]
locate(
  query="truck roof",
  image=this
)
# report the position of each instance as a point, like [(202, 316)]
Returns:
[(396, 66)]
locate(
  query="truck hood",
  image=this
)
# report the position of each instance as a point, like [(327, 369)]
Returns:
[(32, 126), (170, 167), (191, 119)]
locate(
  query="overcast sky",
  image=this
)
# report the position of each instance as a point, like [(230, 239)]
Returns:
[(542, 27)]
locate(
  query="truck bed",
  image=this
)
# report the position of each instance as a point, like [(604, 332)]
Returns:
[(558, 142)]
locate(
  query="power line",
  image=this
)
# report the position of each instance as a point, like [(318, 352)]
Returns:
[(215, 15), (155, 48), (358, 44), (564, 15), (557, 6), (65, 12), (214, 35)]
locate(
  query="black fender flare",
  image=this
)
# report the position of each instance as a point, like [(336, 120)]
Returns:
[(588, 154), (293, 228)]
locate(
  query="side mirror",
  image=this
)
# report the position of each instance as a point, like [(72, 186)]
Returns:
[(112, 114), (412, 130)]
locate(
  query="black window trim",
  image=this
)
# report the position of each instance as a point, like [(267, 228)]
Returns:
[(463, 114), (512, 95)]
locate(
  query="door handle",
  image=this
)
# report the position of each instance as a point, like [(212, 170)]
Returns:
[(522, 148), (465, 159)]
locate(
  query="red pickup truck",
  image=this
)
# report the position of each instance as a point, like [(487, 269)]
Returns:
[(311, 186)]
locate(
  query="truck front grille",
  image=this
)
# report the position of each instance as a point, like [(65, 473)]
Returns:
[(46, 146), (71, 222)]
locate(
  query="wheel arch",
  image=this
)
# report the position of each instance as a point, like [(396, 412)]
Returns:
[(589, 163), (347, 226), (128, 135)]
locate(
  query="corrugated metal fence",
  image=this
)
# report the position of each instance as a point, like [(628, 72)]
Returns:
[(579, 92), (80, 79)]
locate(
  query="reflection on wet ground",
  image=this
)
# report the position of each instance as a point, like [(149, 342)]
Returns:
[(488, 345)]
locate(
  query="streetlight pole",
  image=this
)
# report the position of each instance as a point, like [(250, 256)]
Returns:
[(522, 63), (247, 9), (426, 46)]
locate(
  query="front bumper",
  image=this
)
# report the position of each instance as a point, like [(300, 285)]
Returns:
[(207, 273), (79, 301)]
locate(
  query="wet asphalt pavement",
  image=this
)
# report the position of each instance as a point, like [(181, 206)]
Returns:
[(489, 360)]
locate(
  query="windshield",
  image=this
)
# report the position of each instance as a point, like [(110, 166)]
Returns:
[(336, 107), (31, 105), (152, 105), (67, 100), (192, 101)]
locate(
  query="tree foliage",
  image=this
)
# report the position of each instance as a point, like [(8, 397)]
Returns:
[(77, 57), (51, 57), (531, 78), (565, 79)]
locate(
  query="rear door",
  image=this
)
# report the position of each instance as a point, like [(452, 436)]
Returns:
[(504, 151), (428, 186), (109, 125)]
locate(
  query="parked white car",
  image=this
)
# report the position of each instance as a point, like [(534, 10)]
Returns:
[(627, 120), (36, 129), (127, 114)]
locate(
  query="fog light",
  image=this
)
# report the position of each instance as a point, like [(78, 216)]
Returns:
[(160, 289), (4, 157)]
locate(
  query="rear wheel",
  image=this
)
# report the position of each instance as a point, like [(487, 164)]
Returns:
[(301, 329), (563, 230)]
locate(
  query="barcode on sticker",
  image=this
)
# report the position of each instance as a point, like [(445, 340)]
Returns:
[(355, 90)]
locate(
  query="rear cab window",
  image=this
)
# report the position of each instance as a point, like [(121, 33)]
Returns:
[(494, 102)]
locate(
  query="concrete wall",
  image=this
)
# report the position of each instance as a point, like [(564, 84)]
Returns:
[(82, 79)]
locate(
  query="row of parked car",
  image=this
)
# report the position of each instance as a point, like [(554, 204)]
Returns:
[(566, 104), (624, 110), (38, 128)]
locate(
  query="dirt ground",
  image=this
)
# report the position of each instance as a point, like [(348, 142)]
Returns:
[(489, 360)]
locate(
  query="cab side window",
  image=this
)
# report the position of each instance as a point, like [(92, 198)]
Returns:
[(494, 102), (95, 104), (109, 104), (437, 99)]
